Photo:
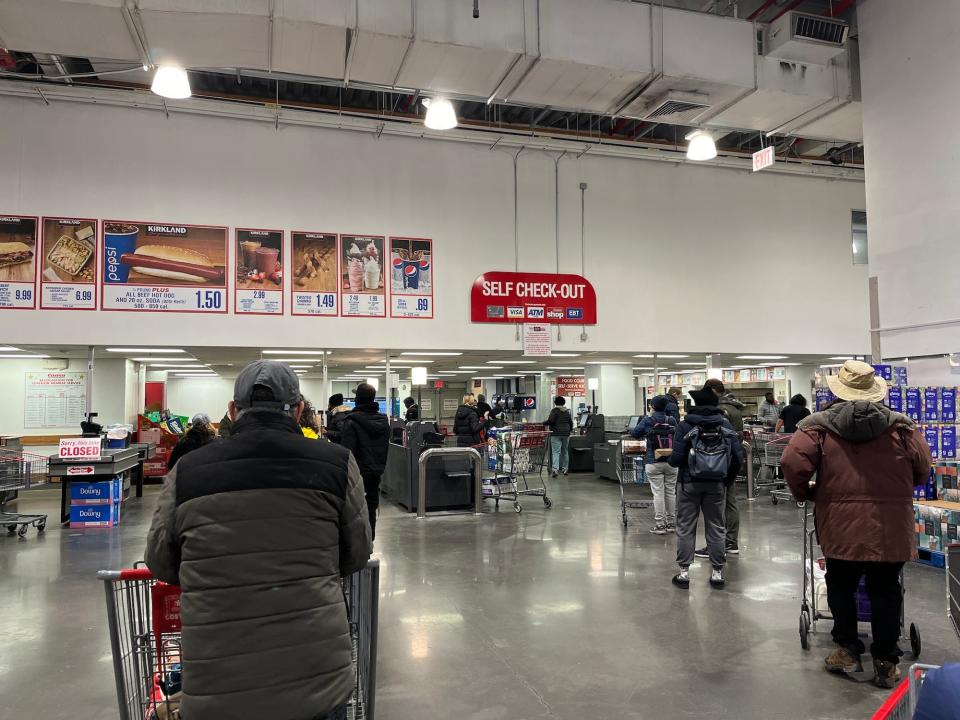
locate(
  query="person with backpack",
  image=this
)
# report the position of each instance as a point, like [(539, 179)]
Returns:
[(659, 428), (708, 455), (560, 424), (733, 410)]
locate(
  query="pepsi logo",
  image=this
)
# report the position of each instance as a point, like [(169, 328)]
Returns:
[(424, 264), (529, 402), (411, 270), (398, 262)]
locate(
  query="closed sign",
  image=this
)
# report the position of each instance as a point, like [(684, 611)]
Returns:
[(79, 448)]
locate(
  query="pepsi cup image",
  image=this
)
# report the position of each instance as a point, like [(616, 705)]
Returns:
[(118, 239)]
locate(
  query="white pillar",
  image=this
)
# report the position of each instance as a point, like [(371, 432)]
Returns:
[(615, 396)]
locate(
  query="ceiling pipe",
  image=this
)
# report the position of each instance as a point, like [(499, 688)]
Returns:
[(760, 10)]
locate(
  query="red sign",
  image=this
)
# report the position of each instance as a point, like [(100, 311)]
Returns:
[(763, 158), (572, 386), (511, 297), (438, 383)]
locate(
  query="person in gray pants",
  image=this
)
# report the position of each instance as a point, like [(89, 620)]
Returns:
[(698, 494)]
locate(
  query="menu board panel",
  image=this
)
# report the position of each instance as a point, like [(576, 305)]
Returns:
[(54, 399), (411, 277), (314, 269), (158, 267), (362, 289), (68, 270), (259, 277), (18, 262)]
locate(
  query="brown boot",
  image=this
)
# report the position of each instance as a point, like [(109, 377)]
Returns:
[(842, 660), (887, 673)]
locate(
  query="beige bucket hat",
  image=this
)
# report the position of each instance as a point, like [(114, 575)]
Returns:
[(857, 381)]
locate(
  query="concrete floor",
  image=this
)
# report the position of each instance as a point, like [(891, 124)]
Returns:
[(558, 614)]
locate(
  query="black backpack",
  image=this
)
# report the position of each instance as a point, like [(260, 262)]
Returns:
[(660, 438), (710, 456)]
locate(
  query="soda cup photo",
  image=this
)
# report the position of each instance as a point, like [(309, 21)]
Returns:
[(118, 239)]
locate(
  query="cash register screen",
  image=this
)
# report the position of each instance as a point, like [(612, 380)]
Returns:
[(583, 420), (634, 421)]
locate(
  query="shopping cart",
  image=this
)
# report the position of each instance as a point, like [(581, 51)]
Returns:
[(772, 453), (902, 702), (21, 471), (813, 606), (144, 624), (632, 487), (517, 458), (953, 585)]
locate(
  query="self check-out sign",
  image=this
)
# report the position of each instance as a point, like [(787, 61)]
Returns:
[(545, 297)]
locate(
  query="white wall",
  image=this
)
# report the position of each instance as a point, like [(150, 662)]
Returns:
[(909, 57), (698, 245)]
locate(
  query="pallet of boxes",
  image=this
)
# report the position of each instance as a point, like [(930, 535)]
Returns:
[(164, 433), (96, 504)]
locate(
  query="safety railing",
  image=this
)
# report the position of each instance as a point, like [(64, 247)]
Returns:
[(449, 452)]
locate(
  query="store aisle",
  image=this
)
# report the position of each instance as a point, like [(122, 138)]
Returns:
[(556, 614)]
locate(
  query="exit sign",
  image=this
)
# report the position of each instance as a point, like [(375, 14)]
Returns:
[(763, 158), (438, 384)]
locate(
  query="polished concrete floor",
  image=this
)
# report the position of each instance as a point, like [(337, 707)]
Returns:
[(547, 614)]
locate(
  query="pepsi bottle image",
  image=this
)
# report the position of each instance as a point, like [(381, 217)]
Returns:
[(424, 267), (411, 274), (397, 272)]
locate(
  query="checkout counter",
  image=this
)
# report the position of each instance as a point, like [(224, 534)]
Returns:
[(587, 435), (112, 462), (449, 480)]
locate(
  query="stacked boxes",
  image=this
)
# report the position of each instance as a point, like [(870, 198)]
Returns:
[(96, 504), (935, 409), (936, 524)]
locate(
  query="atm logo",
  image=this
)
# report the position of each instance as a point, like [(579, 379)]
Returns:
[(494, 311), (554, 313), (536, 313), (575, 313), (515, 313)]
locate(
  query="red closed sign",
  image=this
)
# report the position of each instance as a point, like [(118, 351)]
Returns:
[(510, 297)]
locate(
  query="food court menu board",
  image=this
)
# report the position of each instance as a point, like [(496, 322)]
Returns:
[(18, 258), (411, 277), (362, 289), (314, 269), (161, 267), (68, 269), (54, 399), (259, 261)]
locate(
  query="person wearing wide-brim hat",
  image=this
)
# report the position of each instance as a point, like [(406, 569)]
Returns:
[(859, 461)]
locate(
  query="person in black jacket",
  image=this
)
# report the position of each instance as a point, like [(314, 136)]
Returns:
[(467, 423), (366, 433), (673, 397), (561, 425), (199, 434), (336, 412), (483, 407), (413, 410), (696, 494)]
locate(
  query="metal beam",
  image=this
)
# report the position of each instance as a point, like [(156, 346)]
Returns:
[(760, 10)]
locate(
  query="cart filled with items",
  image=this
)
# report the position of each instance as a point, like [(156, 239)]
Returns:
[(516, 458), (21, 471)]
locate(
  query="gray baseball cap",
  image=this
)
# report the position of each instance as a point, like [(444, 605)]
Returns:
[(272, 374)]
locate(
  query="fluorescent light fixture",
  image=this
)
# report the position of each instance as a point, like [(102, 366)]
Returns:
[(453, 372), (643, 368), (374, 381), (163, 359), (645, 355), (444, 354), (440, 114), (493, 377), (7, 348), (302, 367), (172, 82), (145, 350), (672, 357), (564, 354), (701, 147), (289, 359), (418, 376), (593, 383), (842, 357), (832, 365), (607, 362), (694, 364), (24, 357), (512, 362), (178, 366), (480, 367), (295, 352), (762, 357), (565, 367)]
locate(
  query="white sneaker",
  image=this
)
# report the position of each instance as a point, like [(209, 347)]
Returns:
[(716, 578)]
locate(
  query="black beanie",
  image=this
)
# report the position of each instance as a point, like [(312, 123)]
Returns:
[(336, 400), (659, 403), (704, 397)]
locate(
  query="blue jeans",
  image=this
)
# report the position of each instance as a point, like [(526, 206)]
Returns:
[(559, 452)]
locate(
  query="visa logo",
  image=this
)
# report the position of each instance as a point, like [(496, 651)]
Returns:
[(535, 312), (515, 312), (575, 313)]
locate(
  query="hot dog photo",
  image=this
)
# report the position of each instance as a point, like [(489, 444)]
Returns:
[(136, 253)]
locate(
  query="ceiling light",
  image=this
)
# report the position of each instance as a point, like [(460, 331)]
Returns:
[(643, 368), (24, 357), (480, 367), (446, 354), (701, 147), (172, 82), (418, 376), (453, 372), (440, 114), (565, 367), (512, 362), (289, 359), (163, 359), (179, 366), (7, 348), (762, 357), (832, 365), (295, 352), (564, 354), (145, 350), (607, 362), (649, 355), (842, 357), (694, 364)]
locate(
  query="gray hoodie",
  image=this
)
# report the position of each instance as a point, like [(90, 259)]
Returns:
[(857, 421)]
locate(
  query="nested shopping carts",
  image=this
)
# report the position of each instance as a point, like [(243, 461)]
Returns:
[(813, 603), (144, 624), (632, 480), (768, 450), (517, 459), (20, 471)]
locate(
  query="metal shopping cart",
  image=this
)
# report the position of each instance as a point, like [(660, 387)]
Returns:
[(517, 459), (772, 453), (813, 605), (144, 619), (953, 585), (902, 702), (21, 471), (633, 484)]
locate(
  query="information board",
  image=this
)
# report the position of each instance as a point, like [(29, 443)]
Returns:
[(314, 270), (157, 267), (18, 262), (362, 288), (68, 266), (536, 340), (54, 399), (411, 277), (258, 259)]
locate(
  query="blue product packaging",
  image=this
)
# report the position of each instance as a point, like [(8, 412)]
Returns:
[(931, 404), (948, 441), (95, 516), (895, 398), (933, 440), (900, 375), (948, 404), (912, 404), (119, 239), (105, 492), (884, 371)]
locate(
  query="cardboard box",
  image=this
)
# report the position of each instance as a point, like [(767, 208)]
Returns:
[(948, 486), (105, 492), (94, 516)]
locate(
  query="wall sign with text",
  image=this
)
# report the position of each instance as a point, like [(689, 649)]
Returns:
[(258, 288), (363, 292), (68, 274), (511, 297), (314, 273), (156, 267), (18, 262), (411, 277)]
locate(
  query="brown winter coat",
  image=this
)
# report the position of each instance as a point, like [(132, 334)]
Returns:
[(865, 460)]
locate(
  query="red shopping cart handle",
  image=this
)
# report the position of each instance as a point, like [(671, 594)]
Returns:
[(894, 701)]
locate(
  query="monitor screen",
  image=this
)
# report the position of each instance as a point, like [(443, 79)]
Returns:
[(634, 421), (583, 420)]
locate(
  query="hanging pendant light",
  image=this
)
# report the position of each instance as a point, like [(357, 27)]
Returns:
[(701, 147), (440, 114), (172, 82)]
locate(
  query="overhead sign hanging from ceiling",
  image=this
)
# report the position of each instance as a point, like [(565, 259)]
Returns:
[(763, 158), (517, 297)]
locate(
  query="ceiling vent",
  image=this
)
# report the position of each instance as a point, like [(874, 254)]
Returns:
[(812, 39), (677, 108)]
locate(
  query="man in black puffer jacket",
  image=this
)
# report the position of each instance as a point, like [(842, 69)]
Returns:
[(258, 529), (366, 433)]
